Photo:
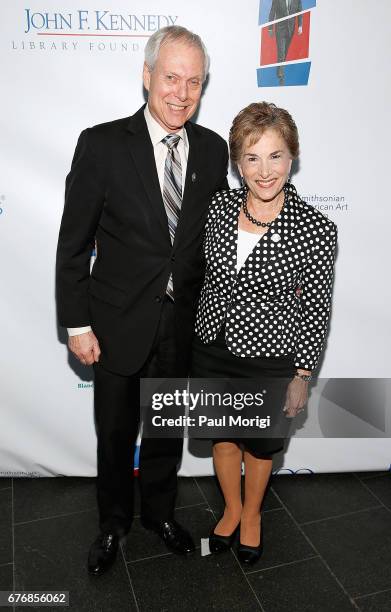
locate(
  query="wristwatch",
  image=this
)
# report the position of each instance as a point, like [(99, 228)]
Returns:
[(306, 377)]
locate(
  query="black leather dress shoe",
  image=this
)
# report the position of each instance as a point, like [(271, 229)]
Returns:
[(220, 543), (177, 539), (248, 555), (102, 553)]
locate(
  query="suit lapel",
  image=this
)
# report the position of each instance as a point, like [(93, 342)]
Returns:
[(141, 150)]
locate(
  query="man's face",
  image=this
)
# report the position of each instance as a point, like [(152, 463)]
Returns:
[(175, 84)]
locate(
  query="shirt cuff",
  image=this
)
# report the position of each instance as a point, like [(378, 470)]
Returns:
[(75, 331)]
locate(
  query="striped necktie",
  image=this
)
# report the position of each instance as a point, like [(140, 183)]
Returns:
[(172, 191)]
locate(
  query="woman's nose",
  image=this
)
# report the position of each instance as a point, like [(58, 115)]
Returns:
[(263, 169)]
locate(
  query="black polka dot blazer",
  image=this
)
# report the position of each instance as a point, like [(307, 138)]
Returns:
[(260, 306)]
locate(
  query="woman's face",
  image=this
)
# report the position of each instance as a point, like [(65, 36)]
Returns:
[(265, 166)]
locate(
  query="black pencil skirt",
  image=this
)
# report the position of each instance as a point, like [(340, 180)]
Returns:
[(215, 360)]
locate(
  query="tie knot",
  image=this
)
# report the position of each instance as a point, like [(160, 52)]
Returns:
[(171, 140)]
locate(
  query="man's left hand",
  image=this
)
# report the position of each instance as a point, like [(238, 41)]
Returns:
[(85, 347)]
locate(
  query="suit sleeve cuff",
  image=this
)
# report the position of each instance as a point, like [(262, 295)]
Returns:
[(75, 331)]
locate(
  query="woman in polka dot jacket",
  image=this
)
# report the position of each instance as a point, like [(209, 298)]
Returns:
[(265, 303)]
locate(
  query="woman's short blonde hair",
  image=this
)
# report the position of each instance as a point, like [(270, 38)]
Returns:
[(249, 125)]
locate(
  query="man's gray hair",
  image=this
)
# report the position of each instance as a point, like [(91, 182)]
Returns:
[(172, 34)]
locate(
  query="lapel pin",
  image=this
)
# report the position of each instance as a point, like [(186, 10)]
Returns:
[(276, 237), (193, 177)]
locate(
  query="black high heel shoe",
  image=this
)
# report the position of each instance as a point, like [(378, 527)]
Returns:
[(219, 543), (248, 555)]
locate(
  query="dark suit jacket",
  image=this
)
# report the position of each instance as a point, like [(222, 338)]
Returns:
[(278, 10), (113, 196)]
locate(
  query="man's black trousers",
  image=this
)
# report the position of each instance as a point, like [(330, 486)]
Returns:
[(117, 413)]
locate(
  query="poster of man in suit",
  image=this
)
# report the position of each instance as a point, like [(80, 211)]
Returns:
[(284, 30), (285, 37), (266, 5)]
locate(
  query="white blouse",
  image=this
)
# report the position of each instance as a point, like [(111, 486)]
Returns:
[(246, 243)]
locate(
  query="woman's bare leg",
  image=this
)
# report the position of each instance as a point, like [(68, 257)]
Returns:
[(257, 474), (227, 458)]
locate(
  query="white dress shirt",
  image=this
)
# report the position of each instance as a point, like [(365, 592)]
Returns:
[(156, 134)]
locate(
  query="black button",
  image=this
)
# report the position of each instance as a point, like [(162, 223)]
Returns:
[(158, 298), (172, 257)]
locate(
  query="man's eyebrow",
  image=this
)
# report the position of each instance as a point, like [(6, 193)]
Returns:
[(195, 76)]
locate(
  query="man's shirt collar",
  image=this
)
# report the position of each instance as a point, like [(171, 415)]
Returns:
[(156, 132)]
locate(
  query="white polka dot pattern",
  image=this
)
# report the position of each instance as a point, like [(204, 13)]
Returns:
[(263, 314)]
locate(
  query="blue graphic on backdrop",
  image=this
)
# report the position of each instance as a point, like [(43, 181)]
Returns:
[(294, 74)]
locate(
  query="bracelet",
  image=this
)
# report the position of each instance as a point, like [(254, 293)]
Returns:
[(305, 377)]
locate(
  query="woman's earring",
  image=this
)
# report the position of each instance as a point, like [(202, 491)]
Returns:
[(242, 181)]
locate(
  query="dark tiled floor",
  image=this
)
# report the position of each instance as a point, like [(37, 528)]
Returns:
[(50, 554), (316, 499), (196, 583), (6, 526), (5, 483), (34, 499), (6, 577), (376, 603), (327, 546), (380, 487), (303, 585), (357, 547)]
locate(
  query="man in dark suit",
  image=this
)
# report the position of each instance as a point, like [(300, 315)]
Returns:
[(140, 188), (284, 29)]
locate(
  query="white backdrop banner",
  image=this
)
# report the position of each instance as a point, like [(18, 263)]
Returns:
[(70, 65)]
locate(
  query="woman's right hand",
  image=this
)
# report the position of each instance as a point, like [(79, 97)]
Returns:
[(296, 397)]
